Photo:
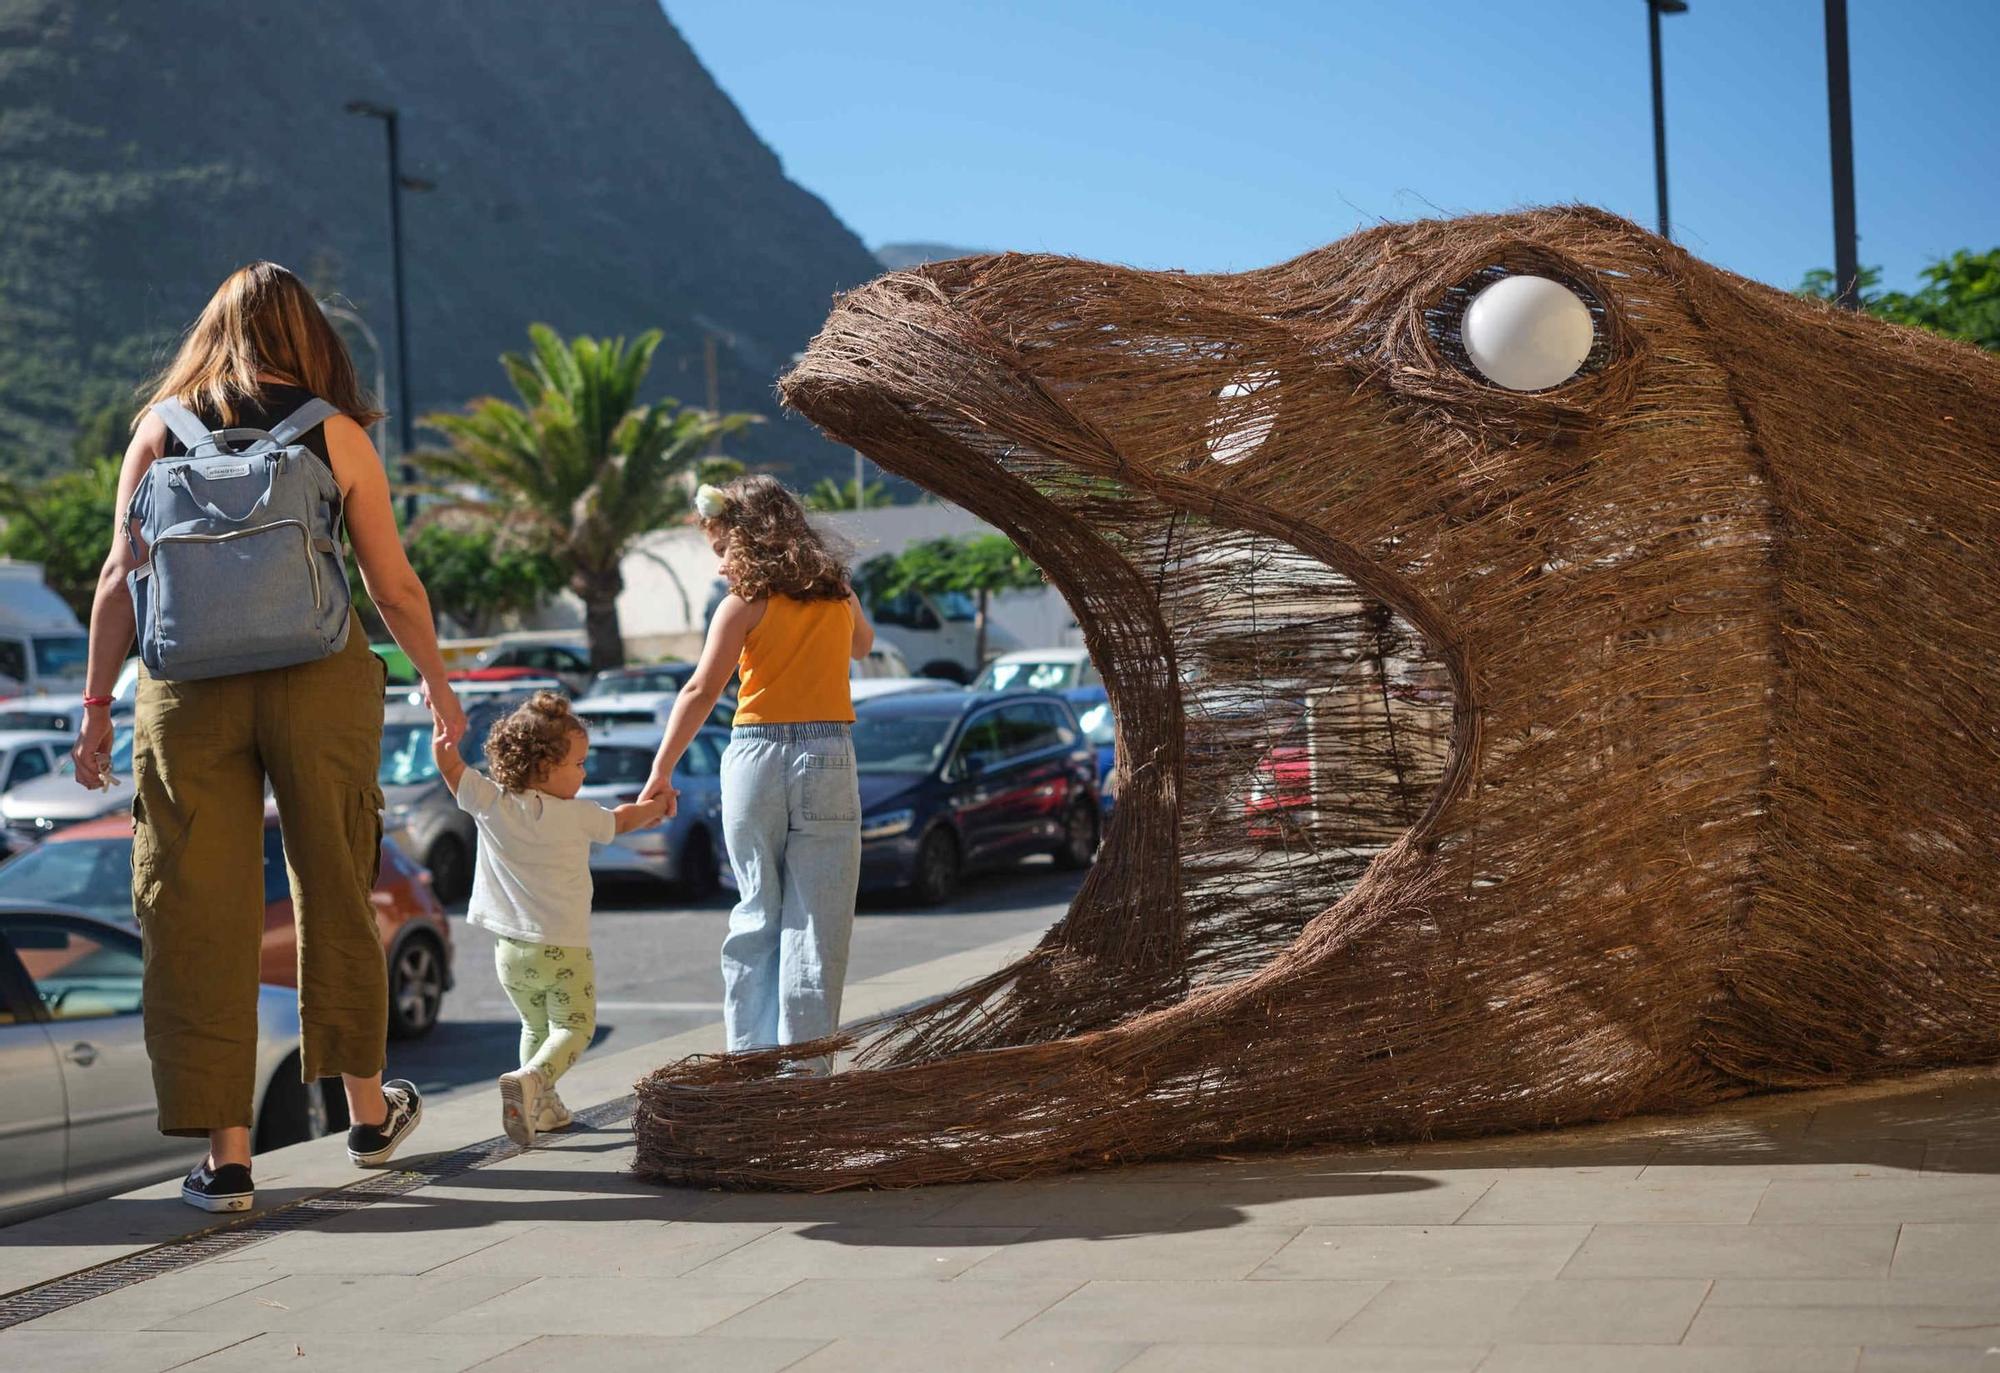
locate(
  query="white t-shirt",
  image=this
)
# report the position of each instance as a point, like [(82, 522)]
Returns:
[(532, 880)]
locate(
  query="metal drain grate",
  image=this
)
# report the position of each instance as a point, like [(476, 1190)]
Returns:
[(58, 1293)]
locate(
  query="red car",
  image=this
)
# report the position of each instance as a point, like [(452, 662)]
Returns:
[(89, 867)]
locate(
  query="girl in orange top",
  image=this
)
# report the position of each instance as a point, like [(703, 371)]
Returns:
[(791, 808)]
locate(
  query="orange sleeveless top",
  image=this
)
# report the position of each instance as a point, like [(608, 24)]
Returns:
[(793, 669)]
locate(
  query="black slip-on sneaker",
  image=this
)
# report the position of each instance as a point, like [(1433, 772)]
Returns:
[(370, 1146), (227, 1188)]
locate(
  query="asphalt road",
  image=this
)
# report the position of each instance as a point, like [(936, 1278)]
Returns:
[(658, 972)]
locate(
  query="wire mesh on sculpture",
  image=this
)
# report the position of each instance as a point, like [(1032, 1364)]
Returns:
[(1489, 759)]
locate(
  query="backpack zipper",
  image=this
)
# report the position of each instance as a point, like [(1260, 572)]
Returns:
[(305, 537)]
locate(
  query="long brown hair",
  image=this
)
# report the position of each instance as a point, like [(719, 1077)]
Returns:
[(262, 319), (770, 548)]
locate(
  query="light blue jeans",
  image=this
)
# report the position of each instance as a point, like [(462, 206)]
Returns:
[(791, 817)]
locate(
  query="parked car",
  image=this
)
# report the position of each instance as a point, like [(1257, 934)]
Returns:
[(504, 688), (43, 647), (563, 656), (1093, 715), (883, 659), (643, 708), (647, 679), (26, 754), (49, 714), (33, 811), (937, 630), (861, 689), (1039, 669), (686, 849), (88, 867), (957, 780), (76, 1087), (418, 810)]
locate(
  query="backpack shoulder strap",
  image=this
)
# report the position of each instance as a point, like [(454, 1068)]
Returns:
[(189, 430), (314, 411)]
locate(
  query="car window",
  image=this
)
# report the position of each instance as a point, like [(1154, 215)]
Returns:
[(93, 875), (277, 886), (31, 762), (61, 655), (78, 975), (1028, 676), (1096, 722), (60, 720), (569, 660), (406, 755), (984, 741), (907, 610), (1026, 728), (14, 659), (891, 743), (617, 766), (1061, 722), (700, 759)]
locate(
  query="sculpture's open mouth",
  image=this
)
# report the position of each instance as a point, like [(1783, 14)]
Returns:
[(1281, 719)]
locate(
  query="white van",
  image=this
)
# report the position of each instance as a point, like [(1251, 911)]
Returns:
[(43, 648), (936, 631)]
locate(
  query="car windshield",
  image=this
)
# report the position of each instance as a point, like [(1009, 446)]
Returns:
[(1027, 675), (406, 755), (121, 753), (1096, 722), (61, 655), (956, 605), (37, 719), (671, 678), (889, 743), (617, 767), (93, 875)]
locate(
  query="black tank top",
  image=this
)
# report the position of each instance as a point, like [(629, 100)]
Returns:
[(266, 410)]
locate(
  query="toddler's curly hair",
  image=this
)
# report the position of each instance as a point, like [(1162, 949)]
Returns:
[(531, 740)]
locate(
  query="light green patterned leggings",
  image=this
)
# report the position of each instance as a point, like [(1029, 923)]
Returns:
[(554, 987)]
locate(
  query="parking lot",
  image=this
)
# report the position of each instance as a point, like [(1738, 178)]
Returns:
[(658, 973)]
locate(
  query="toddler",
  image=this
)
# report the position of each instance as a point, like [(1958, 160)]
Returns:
[(531, 888)]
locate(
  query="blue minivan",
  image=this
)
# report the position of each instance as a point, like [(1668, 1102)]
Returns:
[(957, 780)]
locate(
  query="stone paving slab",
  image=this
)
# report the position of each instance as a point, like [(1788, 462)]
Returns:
[(1848, 1230)]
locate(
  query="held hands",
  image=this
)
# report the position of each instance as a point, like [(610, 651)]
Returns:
[(447, 716)]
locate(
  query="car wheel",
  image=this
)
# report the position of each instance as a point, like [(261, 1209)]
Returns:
[(701, 875), (937, 867), (450, 863), (416, 987), (294, 1111), (1079, 841)]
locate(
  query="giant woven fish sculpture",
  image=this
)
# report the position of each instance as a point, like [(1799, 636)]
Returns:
[(1493, 754)]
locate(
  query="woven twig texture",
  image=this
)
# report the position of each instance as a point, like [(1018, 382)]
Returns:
[(1488, 760)]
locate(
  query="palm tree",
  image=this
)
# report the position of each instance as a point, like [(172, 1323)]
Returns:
[(828, 494), (579, 462)]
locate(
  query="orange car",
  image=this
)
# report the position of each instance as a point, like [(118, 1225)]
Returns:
[(89, 867)]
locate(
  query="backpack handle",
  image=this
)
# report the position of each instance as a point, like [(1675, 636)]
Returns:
[(184, 475)]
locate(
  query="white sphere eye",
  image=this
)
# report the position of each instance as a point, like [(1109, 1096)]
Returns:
[(1527, 333)]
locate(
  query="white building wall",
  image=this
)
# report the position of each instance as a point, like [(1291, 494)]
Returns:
[(670, 573)]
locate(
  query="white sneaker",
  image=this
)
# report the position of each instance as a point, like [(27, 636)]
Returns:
[(520, 1104), (553, 1115)]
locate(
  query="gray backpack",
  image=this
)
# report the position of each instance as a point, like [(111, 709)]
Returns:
[(241, 542)]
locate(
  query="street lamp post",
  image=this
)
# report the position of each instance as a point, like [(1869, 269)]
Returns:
[(1654, 9), (1840, 125), (405, 428)]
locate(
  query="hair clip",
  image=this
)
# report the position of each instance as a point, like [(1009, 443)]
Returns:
[(710, 501)]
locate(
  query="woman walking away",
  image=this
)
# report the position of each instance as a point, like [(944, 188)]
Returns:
[(532, 889), (254, 674), (791, 808)]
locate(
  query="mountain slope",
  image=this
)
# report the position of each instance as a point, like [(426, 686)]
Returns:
[(588, 172)]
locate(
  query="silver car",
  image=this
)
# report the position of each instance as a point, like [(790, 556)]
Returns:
[(687, 849), (32, 811), (418, 810), (76, 1088)]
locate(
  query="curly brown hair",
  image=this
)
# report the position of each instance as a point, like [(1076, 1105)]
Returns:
[(531, 740), (771, 549)]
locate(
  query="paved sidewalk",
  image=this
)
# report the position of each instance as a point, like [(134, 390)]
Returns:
[(1838, 1230)]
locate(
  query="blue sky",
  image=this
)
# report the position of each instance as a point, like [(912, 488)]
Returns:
[(1219, 136)]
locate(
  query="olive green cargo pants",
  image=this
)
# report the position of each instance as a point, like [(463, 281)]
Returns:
[(201, 755)]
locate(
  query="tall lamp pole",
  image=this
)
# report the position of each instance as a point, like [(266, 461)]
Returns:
[(1840, 125), (1654, 9), (405, 430)]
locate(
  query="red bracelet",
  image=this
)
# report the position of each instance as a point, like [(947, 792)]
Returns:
[(98, 700)]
